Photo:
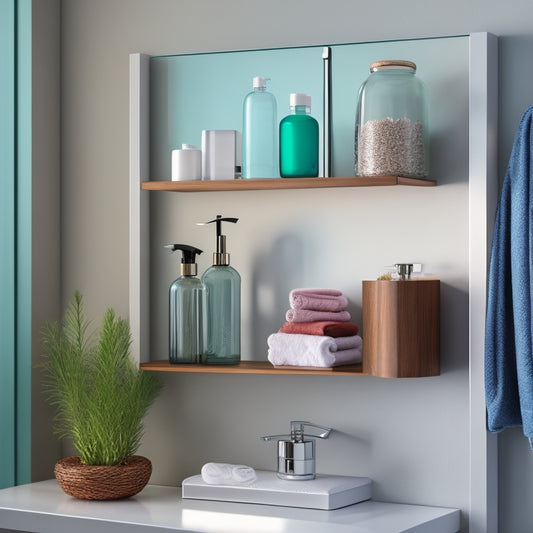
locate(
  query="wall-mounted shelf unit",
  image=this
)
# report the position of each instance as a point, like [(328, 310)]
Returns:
[(253, 367), (480, 157), (283, 183)]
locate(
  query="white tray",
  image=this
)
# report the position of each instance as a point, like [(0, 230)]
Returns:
[(324, 492)]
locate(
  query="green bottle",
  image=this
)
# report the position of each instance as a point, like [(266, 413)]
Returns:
[(298, 140)]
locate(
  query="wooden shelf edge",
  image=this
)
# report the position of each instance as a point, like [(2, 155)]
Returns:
[(251, 367), (283, 183)]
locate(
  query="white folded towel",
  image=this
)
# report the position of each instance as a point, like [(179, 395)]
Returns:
[(228, 474), (313, 350)]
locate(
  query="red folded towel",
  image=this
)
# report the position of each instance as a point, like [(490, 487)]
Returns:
[(326, 328)]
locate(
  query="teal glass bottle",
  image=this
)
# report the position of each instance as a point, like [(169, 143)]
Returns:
[(186, 311), (223, 286), (260, 133), (223, 296), (298, 140)]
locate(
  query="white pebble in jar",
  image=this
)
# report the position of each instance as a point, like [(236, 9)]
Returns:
[(390, 147)]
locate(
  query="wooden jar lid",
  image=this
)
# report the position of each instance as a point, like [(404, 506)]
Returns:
[(392, 63)]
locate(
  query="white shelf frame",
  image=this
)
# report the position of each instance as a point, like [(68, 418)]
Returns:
[(483, 191)]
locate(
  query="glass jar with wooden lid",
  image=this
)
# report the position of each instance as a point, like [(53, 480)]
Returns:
[(391, 125)]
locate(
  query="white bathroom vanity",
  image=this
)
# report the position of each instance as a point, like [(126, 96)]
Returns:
[(42, 507)]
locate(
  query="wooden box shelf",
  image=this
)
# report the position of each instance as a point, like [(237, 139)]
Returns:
[(401, 328)]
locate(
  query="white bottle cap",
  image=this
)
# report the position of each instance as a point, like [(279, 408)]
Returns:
[(299, 99), (259, 81), (188, 147)]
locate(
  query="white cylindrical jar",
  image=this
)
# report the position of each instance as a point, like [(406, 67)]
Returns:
[(391, 125), (186, 163)]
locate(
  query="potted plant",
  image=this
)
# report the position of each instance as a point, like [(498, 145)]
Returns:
[(100, 397)]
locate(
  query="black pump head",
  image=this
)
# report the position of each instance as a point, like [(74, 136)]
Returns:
[(219, 221), (189, 252), (220, 257)]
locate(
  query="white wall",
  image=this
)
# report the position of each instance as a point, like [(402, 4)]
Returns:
[(221, 415)]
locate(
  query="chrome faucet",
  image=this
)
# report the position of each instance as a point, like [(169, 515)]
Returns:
[(296, 455)]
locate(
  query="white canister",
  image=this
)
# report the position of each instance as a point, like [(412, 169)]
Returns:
[(221, 154), (186, 163)]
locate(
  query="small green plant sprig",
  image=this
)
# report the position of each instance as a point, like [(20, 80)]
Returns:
[(99, 394)]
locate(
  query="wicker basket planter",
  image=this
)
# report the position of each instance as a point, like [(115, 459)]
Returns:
[(95, 482)]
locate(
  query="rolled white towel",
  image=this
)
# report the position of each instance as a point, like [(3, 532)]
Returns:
[(313, 350), (228, 474)]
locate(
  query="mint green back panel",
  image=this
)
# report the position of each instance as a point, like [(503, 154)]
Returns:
[(438, 65), (190, 93)]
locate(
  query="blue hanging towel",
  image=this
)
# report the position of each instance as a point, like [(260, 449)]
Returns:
[(508, 330)]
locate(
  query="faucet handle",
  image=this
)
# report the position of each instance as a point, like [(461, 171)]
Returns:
[(298, 432), (276, 437)]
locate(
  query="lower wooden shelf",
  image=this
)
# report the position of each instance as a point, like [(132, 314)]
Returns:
[(252, 367)]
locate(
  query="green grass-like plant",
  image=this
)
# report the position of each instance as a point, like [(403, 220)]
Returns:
[(99, 394)]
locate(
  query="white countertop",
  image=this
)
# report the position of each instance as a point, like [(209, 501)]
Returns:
[(44, 508)]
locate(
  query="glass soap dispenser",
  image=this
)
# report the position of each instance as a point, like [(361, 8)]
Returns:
[(187, 310), (298, 140), (391, 124), (223, 292)]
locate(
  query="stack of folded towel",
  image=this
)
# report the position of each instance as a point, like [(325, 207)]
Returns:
[(318, 332)]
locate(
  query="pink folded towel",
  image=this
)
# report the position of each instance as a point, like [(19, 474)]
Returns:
[(327, 328), (321, 292), (306, 315), (318, 299), (313, 350)]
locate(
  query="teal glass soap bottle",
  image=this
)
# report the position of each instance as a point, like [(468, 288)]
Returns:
[(223, 292), (187, 310), (260, 132), (298, 140)]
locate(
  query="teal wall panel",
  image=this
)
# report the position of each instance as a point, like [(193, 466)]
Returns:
[(7, 243), (15, 242), (24, 242)]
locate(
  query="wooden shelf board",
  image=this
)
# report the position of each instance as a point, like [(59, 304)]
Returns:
[(283, 183), (251, 367)]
